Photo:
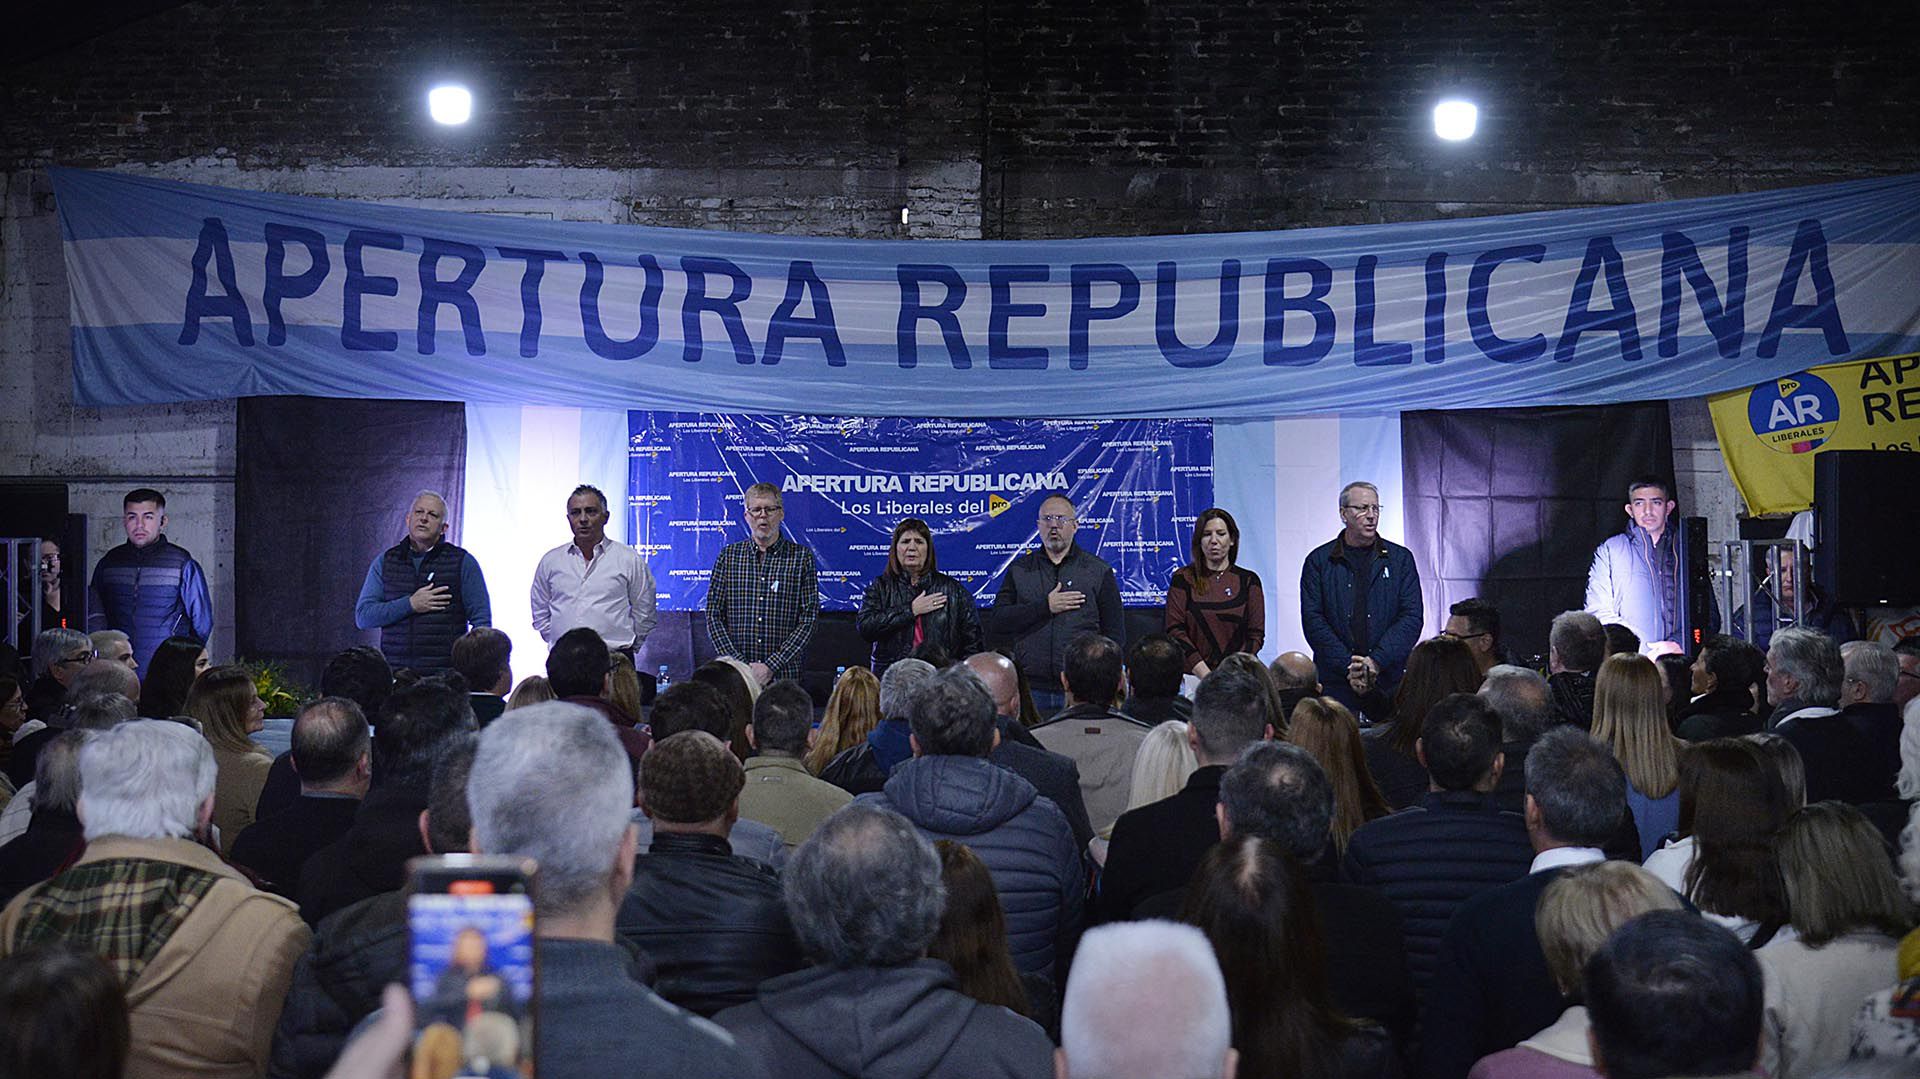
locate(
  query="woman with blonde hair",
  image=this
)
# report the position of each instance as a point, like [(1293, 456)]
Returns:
[(1630, 716), (1324, 728), (532, 689), (1576, 914), (1161, 767), (623, 687), (227, 705), (1848, 916), (852, 712)]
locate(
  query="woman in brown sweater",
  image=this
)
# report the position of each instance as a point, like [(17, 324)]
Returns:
[(1215, 608)]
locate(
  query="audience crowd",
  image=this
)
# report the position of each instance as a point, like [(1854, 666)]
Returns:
[(1613, 867)]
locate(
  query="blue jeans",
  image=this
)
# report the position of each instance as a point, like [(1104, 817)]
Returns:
[(1048, 702)]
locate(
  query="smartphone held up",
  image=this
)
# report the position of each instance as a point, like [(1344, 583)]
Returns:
[(470, 966)]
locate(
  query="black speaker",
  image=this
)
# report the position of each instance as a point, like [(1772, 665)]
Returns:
[(1696, 585), (1866, 519)]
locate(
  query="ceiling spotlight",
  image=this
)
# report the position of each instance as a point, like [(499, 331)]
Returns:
[(450, 104), (1455, 121)]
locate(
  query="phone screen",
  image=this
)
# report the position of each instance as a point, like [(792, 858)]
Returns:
[(471, 967)]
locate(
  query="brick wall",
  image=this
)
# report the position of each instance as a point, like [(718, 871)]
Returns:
[(1035, 119)]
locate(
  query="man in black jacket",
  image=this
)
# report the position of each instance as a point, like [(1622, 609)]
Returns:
[(1052, 595), (1724, 674), (1491, 986), (1157, 847), (419, 723), (1454, 844), (358, 950), (483, 658), (332, 754), (1153, 678), (713, 923), (1576, 645)]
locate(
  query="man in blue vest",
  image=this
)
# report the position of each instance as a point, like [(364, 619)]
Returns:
[(149, 588), (423, 593)]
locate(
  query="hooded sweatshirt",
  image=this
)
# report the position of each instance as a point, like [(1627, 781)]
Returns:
[(904, 1022)]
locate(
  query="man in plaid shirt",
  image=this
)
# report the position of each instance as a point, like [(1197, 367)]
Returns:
[(763, 599)]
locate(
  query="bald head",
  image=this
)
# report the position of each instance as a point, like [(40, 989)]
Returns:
[(1295, 670), (1001, 678)]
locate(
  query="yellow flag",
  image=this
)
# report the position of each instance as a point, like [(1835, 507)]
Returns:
[(1770, 434)]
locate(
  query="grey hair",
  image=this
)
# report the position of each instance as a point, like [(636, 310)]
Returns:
[(1363, 484), (101, 637), (1145, 1000), (99, 711), (865, 890), (953, 714), (1229, 713), (1907, 783), (52, 645), (1277, 791), (97, 678), (1813, 660), (56, 773), (898, 683), (522, 806), (1580, 640), (145, 780), (1873, 665), (764, 490), (426, 492), (1578, 785), (1520, 696)]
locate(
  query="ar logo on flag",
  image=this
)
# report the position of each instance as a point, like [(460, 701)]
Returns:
[(1797, 414)]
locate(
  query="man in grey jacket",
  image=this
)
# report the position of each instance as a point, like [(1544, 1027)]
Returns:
[(1052, 595), (866, 898)]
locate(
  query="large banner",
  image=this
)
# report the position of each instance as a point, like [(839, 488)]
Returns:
[(846, 482), (1770, 433), (182, 292)]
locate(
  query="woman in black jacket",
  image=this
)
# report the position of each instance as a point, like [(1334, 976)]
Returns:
[(912, 603)]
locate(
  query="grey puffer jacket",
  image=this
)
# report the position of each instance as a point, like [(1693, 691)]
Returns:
[(904, 1022), (1023, 838)]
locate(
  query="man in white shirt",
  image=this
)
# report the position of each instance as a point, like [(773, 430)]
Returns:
[(594, 581)]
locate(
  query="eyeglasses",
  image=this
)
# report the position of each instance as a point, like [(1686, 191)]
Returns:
[(82, 660), (1463, 636), (763, 511), (1361, 511), (1055, 518)]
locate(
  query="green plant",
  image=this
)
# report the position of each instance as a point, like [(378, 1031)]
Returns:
[(282, 694)]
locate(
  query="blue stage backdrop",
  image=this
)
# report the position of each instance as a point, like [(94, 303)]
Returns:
[(978, 484)]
